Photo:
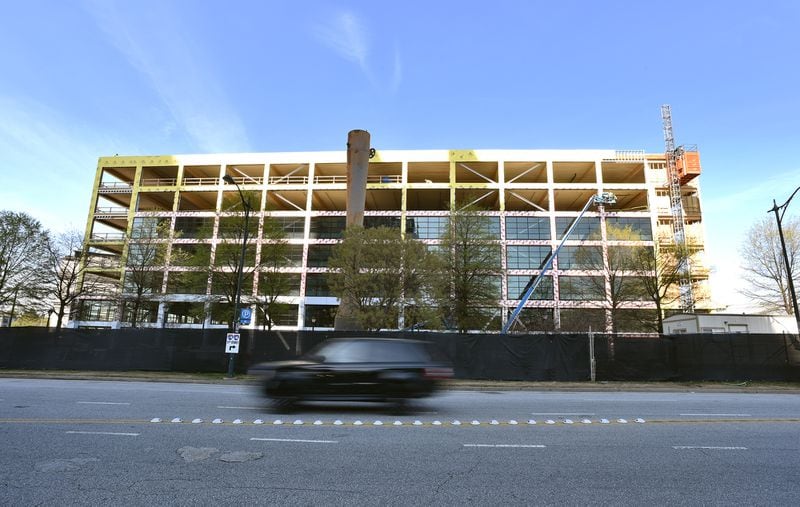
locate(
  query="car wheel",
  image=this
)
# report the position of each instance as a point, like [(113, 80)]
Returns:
[(399, 406), (282, 404)]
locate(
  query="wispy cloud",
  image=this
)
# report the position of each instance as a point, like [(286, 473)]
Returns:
[(345, 34), (174, 68), (42, 151), (349, 37), (727, 218), (757, 195)]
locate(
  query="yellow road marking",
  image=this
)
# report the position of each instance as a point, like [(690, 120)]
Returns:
[(406, 424)]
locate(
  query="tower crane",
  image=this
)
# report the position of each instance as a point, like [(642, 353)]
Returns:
[(673, 157)]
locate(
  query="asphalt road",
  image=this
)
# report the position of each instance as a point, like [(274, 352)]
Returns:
[(133, 443)]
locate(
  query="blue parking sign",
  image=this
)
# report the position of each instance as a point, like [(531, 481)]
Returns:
[(245, 314)]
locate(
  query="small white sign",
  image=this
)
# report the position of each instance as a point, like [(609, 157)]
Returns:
[(232, 343)]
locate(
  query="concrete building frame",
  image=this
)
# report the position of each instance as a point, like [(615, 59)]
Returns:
[(531, 195)]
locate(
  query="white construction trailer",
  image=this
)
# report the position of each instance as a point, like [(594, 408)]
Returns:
[(694, 323)]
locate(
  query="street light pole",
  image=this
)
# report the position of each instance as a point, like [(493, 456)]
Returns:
[(238, 297), (779, 219)]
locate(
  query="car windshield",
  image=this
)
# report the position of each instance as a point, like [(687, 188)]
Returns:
[(373, 351)]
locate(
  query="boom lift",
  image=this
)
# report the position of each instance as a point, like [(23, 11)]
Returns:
[(597, 200)]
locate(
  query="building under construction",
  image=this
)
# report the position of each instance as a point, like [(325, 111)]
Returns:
[(532, 197)]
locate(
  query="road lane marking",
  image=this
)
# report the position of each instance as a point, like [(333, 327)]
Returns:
[(102, 433), (300, 440), (714, 448), (531, 446), (178, 421), (563, 413), (718, 415), (101, 403), (242, 408)]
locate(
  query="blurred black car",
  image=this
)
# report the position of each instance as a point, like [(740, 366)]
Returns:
[(356, 369)]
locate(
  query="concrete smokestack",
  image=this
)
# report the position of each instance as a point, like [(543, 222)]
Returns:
[(357, 168)]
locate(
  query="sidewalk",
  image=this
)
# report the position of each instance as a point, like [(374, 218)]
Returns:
[(453, 385)]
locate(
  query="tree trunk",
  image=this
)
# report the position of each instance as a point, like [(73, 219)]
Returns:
[(660, 316), (60, 316), (136, 303)]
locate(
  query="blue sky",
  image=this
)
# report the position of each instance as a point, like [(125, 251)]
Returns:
[(83, 79)]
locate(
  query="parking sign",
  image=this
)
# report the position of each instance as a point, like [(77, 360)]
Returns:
[(245, 314)]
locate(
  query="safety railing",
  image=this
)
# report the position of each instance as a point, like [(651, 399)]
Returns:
[(115, 187), (103, 263), (629, 156), (110, 210), (201, 181), (158, 182), (330, 179), (107, 236), (386, 178), (248, 180), (288, 180)]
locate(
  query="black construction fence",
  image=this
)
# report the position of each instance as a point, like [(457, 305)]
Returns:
[(540, 357)]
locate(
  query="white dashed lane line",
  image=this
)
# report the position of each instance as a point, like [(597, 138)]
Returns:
[(242, 408), (112, 433), (101, 403), (716, 415), (709, 447), (299, 440), (529, 446)]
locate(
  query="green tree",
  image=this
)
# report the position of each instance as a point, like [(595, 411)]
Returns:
[(375, 271), (763, 264), (23, 267), (469, 260)]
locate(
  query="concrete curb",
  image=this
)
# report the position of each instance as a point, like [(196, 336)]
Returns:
[(451, 385)]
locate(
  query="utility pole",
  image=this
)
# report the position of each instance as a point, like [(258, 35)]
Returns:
[(779, 219)]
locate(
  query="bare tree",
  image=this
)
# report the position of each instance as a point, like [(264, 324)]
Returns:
[(635, 273), (273, 283), (67, 278), (763, 264), (225, 269), (23, 253), (144, 266), (622, 274), (660, 270)]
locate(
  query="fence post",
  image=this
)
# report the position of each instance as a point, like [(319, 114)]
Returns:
[(592, 363)]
